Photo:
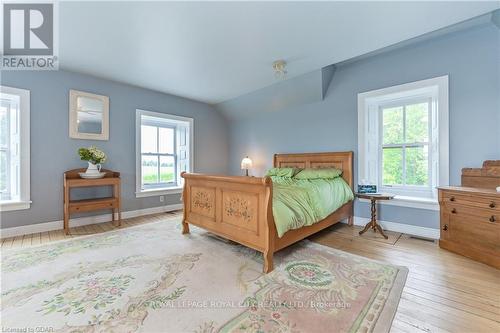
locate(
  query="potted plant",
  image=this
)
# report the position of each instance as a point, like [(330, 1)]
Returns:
[(95, 157)]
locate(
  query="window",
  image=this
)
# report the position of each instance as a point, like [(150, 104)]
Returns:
[(164, 150), (403, 139), (405, 133), (14, 149)]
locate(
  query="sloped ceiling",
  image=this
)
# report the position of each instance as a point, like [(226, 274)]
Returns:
[(215, 51), (306, 88)]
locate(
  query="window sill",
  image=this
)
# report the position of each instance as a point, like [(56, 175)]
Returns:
[(157, 192), (411, 202), (6, 206)]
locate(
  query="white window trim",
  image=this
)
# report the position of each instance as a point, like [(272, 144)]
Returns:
[(139, 192), (153, 193), (24, 146), (364, 127)]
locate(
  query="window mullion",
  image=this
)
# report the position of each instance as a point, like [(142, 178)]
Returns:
[(432, 176), (393, 145), (176, 177), (159, 169), (157, 140), (14, 163), (404, 145), (8, 157), (158, 154), (379, 159), (8, 186)]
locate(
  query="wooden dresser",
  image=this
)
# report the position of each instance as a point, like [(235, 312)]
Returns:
[(470, 215)]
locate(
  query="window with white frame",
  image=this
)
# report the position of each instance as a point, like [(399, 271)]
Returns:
[(163, 151), (403, 138), (14, 148)]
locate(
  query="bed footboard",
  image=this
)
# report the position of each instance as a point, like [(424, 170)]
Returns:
[(236, 208), (240, 208)]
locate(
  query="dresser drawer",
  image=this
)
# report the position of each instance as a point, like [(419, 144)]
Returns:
[(471, 200), (472, 232), (482, 214)]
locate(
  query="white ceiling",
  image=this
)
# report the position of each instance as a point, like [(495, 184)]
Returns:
[(216, 51)]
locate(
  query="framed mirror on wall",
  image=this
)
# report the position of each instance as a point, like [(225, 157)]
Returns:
[(88, 116)]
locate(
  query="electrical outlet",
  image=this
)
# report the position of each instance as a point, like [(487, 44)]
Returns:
[(162, 198)]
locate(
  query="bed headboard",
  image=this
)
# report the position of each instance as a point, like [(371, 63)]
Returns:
[(339, 160)]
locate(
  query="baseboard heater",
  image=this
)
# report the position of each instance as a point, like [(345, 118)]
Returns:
[(423, 238)]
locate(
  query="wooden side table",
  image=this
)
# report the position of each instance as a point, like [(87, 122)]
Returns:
[(373, 222), (72, 179)]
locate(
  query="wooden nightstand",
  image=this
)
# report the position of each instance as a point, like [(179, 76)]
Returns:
[(72, 179), (373, 199)]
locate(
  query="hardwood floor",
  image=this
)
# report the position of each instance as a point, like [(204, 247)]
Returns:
[(444, 292), (50, 236)]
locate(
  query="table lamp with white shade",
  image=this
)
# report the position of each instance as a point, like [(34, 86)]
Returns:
[(246, 164)]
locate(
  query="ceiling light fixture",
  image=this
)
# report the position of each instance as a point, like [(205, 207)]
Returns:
[(279, 69)]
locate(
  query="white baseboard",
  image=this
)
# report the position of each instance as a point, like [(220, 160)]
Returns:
[(80, 221), (400, 227)]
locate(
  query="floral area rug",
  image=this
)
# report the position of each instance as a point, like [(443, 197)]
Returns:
[(150, 278)]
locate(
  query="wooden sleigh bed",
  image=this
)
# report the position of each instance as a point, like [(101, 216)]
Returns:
[(240, 208)]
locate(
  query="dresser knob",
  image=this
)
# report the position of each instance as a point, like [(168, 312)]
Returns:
[(492, 218), (445, 227), (492, 205), (453, 211), (452, 199)]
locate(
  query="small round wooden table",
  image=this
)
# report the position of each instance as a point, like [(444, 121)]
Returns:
[(373, 222)]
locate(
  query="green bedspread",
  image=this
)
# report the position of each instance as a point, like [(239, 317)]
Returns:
[(303, 202)]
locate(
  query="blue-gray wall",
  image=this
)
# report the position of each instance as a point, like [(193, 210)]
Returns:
[(471, 58), (53, 152)]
